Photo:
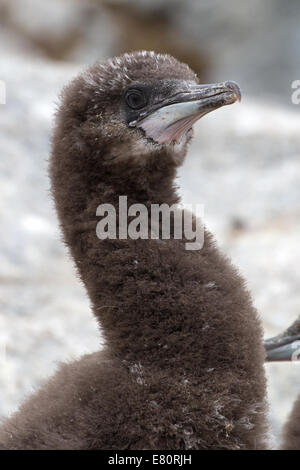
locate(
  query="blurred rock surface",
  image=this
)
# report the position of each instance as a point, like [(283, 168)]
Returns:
[(69, 30), (256, 42)]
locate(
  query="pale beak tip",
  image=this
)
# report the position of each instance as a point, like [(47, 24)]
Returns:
[(235, 88)]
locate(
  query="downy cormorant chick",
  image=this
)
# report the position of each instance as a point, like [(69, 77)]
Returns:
[(291, 431), (183, 363), (286, 347)]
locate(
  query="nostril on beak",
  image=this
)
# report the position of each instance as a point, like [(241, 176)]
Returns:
[(235, 88)]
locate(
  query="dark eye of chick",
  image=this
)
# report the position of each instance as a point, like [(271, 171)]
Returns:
[(135, 99)]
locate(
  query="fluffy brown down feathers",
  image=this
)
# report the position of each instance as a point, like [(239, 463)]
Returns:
[(182, 366)]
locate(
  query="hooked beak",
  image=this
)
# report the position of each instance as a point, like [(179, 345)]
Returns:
[(170, 120), (283, 349), (285, 346)]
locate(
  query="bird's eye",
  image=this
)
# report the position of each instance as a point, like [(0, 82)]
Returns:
[(135, 99)]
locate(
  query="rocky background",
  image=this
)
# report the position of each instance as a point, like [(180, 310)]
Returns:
[(244, 165)]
